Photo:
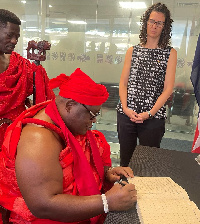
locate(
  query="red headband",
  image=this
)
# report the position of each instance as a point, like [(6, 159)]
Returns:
[(80, 87)]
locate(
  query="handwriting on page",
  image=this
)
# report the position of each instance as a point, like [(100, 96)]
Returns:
[(161, 200)]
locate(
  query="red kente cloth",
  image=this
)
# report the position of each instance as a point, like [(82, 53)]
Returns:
[(86, 179), (16, 84)]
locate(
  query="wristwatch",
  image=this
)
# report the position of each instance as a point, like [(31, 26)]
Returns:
[(150, 115)]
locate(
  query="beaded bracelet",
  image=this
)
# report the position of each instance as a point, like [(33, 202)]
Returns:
[(105, 203)]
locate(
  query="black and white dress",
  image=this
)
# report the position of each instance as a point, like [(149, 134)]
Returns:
[(146, 79)]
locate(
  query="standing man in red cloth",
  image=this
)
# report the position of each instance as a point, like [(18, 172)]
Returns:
[(53, 168), (16, 74)]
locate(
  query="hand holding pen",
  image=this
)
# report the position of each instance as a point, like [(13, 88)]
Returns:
[(116, 173), (121, 196)]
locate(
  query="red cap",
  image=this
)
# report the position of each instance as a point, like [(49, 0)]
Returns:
[(80, 87)]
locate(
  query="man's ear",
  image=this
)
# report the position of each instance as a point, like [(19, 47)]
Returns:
[(69, 104)]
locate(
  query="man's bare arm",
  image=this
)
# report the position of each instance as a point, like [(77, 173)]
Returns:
[(40, 179)]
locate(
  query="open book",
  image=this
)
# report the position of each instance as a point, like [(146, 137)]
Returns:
[(161, 201)]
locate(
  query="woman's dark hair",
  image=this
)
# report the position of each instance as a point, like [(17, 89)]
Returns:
[(165, 37), (7, 16)]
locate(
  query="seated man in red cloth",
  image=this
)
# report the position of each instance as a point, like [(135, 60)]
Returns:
[(53, 168), (16, 74)]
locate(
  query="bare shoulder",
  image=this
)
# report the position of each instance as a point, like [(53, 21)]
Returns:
[(172, 57), (173, 52), (130, 50), (37, 132), (38, 138), (129, 53), (33, 132)]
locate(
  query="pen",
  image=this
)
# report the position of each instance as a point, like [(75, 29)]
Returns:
[(120, 182)]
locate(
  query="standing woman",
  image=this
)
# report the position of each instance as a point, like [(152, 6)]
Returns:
[(146, 83)]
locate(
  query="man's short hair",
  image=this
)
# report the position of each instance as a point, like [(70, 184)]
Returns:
[(7, 16)]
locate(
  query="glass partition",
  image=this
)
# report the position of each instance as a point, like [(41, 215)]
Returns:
[(94, 36)]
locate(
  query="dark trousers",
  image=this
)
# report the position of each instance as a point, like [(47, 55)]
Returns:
[(149, 133)]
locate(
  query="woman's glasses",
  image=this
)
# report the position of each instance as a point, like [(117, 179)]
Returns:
[(159, 24), (92, 115)]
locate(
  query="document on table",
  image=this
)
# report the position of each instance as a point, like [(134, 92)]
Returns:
[(162, 201)]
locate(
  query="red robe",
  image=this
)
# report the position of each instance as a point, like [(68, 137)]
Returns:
[(74, 182), (16, 84)]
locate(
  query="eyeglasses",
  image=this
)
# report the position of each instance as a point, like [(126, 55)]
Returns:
[(159, 24), (92, 115)]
